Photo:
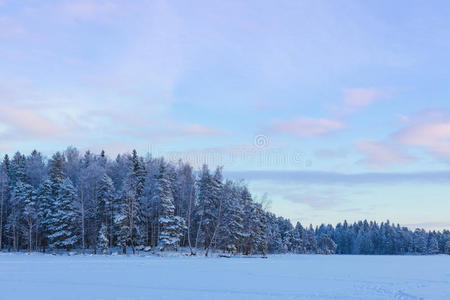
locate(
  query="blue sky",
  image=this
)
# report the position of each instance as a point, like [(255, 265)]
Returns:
[(285, 87)]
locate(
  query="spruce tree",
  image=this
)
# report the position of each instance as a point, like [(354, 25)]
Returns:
[(15, 217), (62, 225), (46, 207), (30, 213), (129, 219), (107, 200), (3, 198), (231, 232), (171, 226)]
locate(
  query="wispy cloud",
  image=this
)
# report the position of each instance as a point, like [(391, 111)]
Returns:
[(429, 225), (355, 99), (27, 122), (306, 127), (324, 201), (380, 155), (362, 97), (315, 177), (32, 114), (331, 153), (429, 130)]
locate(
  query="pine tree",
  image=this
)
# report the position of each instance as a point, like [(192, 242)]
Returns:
[(185, 199), (171, 226), (138, 174), (30, 213), (258, 229), (107, 200), (46, 208), (204, 193), (433, 246), (420, 242), (17, 169), (35, 169), (447, 247), (231, 231), (213, 210), (246, 200), (129, 219), (62, 230), (89, 206), (103, 242), (3, 197), (15, 217), (56, 172), (297, 240), (326, 245)]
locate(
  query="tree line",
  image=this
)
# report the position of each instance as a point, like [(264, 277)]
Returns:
[(92, 203)]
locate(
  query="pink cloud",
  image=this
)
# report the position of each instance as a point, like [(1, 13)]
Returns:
[(433, 136), (380, 155), (355, 99), (307, 127), (27, 121), (361, 97)]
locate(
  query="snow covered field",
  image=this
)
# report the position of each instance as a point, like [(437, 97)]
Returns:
[(278, 277)]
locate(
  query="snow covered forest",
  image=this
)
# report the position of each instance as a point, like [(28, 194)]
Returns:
[(94, 204)]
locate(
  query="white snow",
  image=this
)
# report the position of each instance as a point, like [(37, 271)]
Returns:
[(278, 277)]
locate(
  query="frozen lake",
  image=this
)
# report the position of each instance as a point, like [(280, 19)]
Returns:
[(278, 277)]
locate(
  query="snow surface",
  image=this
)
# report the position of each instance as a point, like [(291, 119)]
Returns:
[(278, 277)]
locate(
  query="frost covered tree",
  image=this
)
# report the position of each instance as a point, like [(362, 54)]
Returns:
[(185, 196), (56, 172), (3, 197), (35, 170), (247, 203), (129, 219), (17, 169), (420, 241), (15, 216), (27, 195), (45, 208), (447, 247), (433, 245), (103, 241), (231, 231), (171, 226), (258, 228), (107, 200), (210, 196), (326, 245), (124, 202), (62, 233), (90, 210)]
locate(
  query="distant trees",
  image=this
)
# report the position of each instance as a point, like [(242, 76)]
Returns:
[(362, 237), (92, 203)]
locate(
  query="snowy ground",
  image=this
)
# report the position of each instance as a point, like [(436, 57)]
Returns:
[(278, 277)]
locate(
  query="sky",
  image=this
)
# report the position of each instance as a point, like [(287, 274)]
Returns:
[(336, 109)]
